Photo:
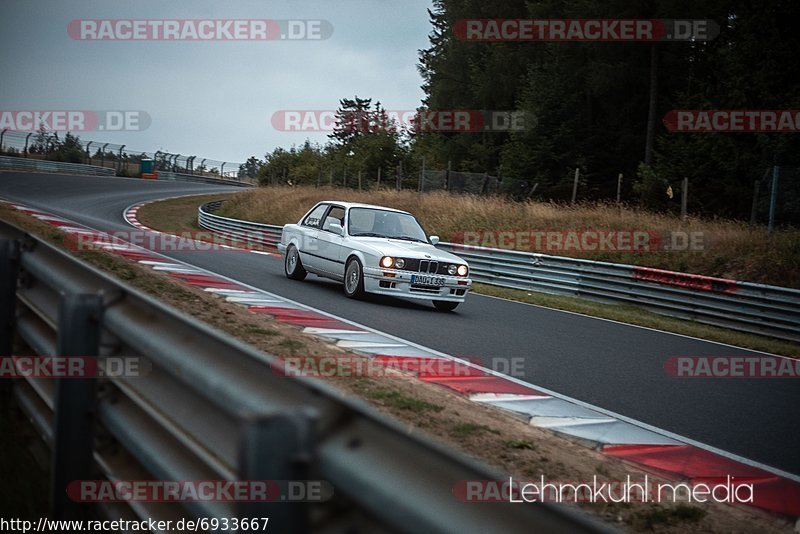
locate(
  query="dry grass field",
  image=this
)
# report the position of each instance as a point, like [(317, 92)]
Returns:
[(726, 249)]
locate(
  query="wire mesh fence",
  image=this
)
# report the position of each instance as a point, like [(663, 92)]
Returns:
[(69, 148), (776, 197)]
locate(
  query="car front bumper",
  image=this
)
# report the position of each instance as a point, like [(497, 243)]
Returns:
[(398, 283)]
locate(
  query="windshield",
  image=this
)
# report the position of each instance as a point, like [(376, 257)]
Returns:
[(372, 222)]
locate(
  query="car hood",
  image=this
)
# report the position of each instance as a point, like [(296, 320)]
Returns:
[(407, 249)]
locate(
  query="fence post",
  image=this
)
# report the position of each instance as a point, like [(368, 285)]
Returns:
[(379, 177), (330, 178), (9, 269), (447, 176), (421, 184), (773, 199), (103, 155), (684, 197), (754, 206), (359, 180), (119, 159), (399, 176), (619, 188), (26, 143), (575, 185), (278, 449), (79, 319), (1, 138), (485, 183)]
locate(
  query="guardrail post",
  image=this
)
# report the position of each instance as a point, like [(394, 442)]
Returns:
[(9, 269), (278, 448), (79, 319), (26, 143)]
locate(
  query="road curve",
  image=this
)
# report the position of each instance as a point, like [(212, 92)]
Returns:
[(615, 366)]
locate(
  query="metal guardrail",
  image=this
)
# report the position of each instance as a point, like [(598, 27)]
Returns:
[(744, 306), (211, 408), (256, 234), (181, 177), (42, 165)]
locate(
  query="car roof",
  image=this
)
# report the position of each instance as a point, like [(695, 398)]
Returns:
[(348, 205)]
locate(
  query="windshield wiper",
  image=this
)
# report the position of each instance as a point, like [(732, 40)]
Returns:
[(408, 238), (367, 234)]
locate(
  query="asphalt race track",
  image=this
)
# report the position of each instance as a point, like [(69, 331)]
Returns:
[(611, 365)]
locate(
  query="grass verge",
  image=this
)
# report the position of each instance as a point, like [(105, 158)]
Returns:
[(722, 248)]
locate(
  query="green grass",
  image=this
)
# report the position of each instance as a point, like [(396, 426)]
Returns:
[(522, 444), (663, 516), (395, 399), (292, 344), (261, 331), (463, 430)]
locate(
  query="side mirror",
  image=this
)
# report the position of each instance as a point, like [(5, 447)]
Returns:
[(336, 228), (434, 240)]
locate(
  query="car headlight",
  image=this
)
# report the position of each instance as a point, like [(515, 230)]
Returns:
[(387, 261), (399, 263), (463, 270), (451, 270)]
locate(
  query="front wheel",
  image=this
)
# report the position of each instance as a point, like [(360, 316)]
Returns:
[(444, 305), (293, 267), (353, 279)]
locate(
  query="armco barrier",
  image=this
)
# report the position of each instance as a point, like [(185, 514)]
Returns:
[(181, 177), (211, 408), (42, 165), (744, 306)]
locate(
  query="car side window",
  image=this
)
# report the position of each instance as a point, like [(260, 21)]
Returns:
[(335, 215), (314, 218)]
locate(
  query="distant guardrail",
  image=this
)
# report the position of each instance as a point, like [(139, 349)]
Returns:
[(213, 409), (42, 165), (182, 177), (744, 306)]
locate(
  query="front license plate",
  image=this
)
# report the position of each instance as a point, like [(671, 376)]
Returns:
[(427, 280)]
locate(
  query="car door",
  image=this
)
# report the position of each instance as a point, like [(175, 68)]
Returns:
[(329, 243), (308, 246)]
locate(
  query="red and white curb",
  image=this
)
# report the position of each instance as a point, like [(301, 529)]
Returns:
[(668, 455), (130, 215)]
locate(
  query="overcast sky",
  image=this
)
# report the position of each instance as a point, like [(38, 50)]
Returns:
[(214, 98)]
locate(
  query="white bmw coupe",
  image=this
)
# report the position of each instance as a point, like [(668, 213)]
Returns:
[(373, 249)]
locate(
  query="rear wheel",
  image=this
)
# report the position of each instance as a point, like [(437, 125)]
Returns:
[(445, 305), (293, 267), (354, 279)]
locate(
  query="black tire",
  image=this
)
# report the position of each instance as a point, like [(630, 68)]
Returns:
[(445, 305), (292, 265), (354, 279)]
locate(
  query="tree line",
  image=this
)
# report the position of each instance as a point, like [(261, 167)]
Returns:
[(597, 107)]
